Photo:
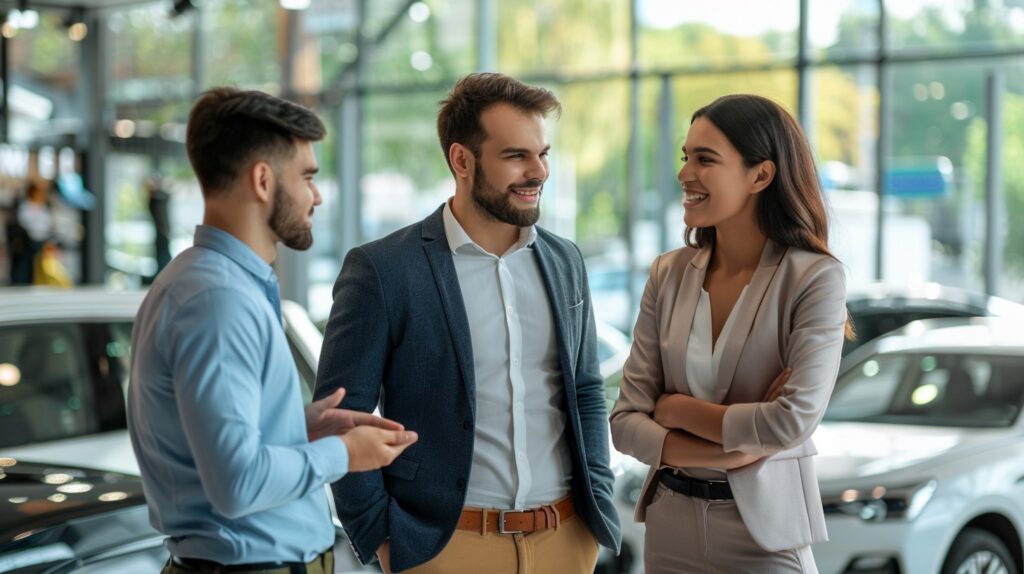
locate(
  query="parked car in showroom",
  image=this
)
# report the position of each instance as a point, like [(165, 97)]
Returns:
[(63, 379), (879, 308), (921, 452)]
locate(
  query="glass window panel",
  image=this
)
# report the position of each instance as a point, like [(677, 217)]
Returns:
[(935, 224), (674, 33), (243, 43), (842, 28), (1011, 223), (942, 25), (405, 176), (429, 45), (574, 36), (844, 134), (151, 53)]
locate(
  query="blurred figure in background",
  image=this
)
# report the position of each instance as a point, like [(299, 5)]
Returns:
[(33, 227), (159, 209)]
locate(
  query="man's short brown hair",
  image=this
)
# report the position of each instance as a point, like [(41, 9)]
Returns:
[(230, 128), (458, 121)]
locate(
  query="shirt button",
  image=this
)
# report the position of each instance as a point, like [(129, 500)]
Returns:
[(466, 425), (509, 308), (515, 362), (521, 456)]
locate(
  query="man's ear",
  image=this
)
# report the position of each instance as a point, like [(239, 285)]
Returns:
[(261, 181), (462, 159), (764, 174)]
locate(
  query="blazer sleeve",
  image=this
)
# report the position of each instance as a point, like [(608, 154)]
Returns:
[(634, 432), (814, 351), (354, 354)]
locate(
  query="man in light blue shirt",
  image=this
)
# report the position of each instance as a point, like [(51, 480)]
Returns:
[(233, 466)]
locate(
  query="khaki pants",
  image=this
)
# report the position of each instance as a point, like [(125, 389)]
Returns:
[(569, 549), (322, 564), (691, 535)]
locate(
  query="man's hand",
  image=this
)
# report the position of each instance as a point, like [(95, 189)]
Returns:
[(323, 419), (370, 447), (775, 390), (384, 555)]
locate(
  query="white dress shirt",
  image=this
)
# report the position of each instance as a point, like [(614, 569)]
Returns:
[(520, 455)]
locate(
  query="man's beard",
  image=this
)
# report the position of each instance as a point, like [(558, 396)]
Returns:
[(287, 223), (498, 204)]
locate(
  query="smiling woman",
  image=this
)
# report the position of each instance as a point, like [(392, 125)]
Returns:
[(735, 352)]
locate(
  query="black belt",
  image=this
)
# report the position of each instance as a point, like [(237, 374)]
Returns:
[(200, 565), (706, 489)]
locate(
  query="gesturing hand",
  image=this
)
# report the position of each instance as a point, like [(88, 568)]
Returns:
[(323, 419), (370, 448), (775, 389)]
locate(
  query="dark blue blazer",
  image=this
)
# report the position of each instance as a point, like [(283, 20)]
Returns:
[(398, 337)]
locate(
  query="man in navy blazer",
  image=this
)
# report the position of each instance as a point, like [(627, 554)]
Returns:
[(474, 328)]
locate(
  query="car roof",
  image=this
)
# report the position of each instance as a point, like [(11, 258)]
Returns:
[(991, 335), (929, 296), (21, 304)]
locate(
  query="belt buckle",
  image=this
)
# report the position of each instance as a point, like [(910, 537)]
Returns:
[(708, 486), (501, 522)]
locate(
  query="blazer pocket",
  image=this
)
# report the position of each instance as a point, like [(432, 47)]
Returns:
[(402, 467)]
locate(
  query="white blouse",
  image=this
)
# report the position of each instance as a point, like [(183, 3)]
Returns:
[(702, 363)]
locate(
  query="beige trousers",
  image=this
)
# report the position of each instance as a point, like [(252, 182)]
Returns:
[(692, 535), (569, 549)]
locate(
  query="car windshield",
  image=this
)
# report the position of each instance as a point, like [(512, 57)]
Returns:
[(931, 389)]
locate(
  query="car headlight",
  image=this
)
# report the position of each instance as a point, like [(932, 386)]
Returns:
[(882, 503)]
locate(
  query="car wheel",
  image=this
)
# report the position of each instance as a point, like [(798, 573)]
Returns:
[(977, 551)]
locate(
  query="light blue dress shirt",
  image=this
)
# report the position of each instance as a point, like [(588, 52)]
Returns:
[(216, 417)]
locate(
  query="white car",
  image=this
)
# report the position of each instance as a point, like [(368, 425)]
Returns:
[(921, 453)]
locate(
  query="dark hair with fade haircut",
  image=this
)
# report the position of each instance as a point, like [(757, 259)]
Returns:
[(458, 120), (228, 128)]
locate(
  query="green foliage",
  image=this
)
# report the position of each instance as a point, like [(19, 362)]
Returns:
[(1013, 174)]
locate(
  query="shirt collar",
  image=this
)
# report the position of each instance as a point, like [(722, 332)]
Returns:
[(457, 236), (234, 249)]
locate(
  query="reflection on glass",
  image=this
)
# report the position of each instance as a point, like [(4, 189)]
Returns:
[(57, 478), (10, 375), (74, 488), (113, 496)]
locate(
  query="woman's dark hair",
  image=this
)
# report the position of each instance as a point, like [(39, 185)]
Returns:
[(791, 209)]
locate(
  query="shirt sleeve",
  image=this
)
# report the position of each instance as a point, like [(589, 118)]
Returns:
[(218, 345)]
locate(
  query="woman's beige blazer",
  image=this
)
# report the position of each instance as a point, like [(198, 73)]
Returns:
[(792, 316)]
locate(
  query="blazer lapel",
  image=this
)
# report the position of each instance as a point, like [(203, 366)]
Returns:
[(743, 322), (442, 265), (553, 273), (680, 320)]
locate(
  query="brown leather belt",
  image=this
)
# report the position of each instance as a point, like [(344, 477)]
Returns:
[(487, 520)]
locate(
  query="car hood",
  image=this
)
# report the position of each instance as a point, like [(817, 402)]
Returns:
[(36, 496), (849, 453)]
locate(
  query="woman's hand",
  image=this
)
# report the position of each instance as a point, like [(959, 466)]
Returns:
[(775, 390), (663, 409)]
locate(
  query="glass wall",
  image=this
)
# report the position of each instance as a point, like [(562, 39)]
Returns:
[(898, 123)]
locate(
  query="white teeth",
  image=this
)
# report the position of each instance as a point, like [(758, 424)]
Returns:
[(693, 196)]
